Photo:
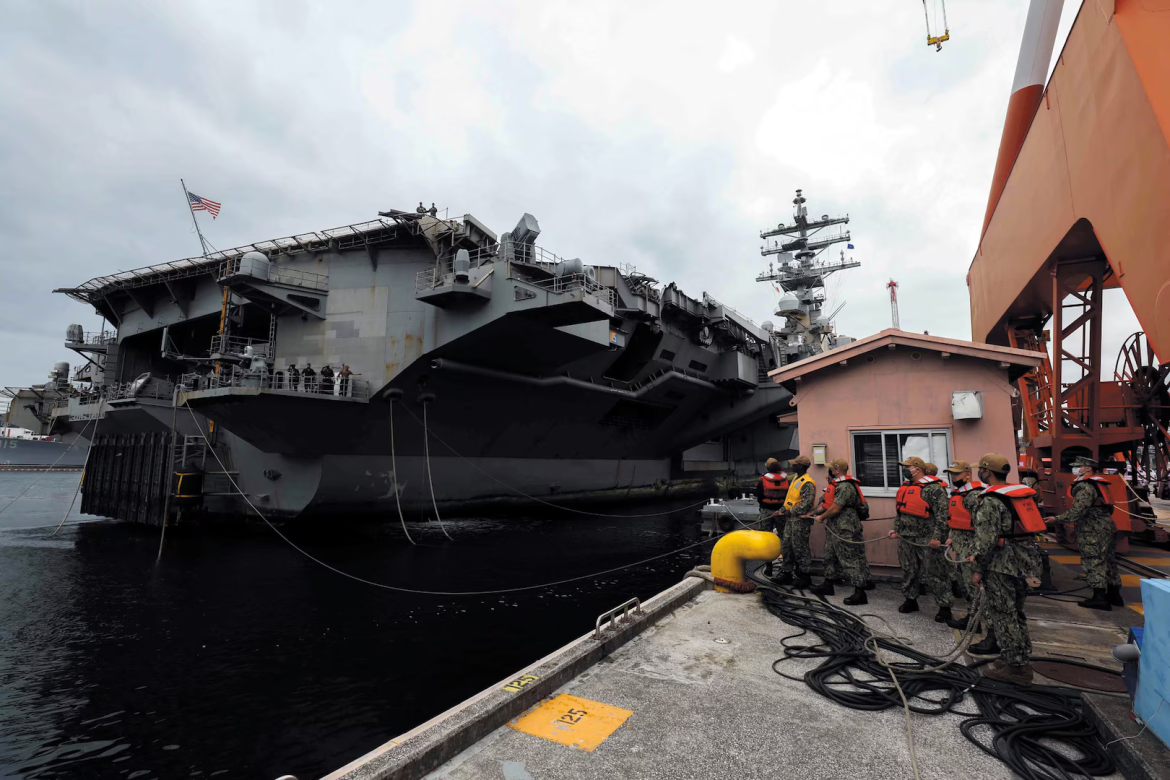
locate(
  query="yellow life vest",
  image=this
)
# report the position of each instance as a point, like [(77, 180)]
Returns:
[(793, 497)]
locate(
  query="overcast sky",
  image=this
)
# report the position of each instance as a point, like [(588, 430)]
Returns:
[(665, 135)]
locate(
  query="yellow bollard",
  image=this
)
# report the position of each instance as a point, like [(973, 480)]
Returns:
[(733, 550)]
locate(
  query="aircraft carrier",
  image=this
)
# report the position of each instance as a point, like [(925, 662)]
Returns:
[(535, 378)]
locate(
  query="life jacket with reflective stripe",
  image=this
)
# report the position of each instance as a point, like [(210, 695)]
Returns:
[(959, 516), (831, 490), (775, 488), (793, 497), (1021, 501), (1100, 482), (909, 499)]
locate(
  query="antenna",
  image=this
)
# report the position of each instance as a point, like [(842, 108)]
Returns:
[(894, 303)]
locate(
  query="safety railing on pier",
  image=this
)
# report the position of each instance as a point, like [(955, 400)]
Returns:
[(268, 271), (334, 387)]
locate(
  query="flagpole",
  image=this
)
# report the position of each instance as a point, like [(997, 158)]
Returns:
[(198, 232)]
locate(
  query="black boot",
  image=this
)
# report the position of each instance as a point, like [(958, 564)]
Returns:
[(858, 597), (824, 589), (922, 591), (836, 580), (957, 591), (909, 605), (960, 624), (783, 578), (989, 646), (1099, 600), (801, 580), (871, 585), (1114, 596), (944, 614)]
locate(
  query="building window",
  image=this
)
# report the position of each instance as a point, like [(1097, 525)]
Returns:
[(876, 455)]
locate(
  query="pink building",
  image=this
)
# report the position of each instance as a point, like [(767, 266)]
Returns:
[(895, 394)]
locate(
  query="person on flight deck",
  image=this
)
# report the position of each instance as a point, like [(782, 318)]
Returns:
[(421, 208), (839, 512), (1092, 516), (434, 212), (964, 503), (771, 491), (802, 493), (921, 526), (1006, 559)]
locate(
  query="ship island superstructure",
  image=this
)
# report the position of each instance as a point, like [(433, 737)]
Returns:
[(542, 377)]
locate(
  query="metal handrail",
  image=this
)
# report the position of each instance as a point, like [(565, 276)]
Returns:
[(278, 380), (614, 620), (563, 284), (270, 272)]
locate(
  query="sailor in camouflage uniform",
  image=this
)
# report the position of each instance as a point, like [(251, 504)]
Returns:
[(839, 513), (796, 565), (921, 527), (966, 495), (1092, 515), (1005, 561)]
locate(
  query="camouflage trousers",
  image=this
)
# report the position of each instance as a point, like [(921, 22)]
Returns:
[(768, 522), (842, 559), (794, 546), (963, 547), (1098, 545), (923, 566), (1003, 608)]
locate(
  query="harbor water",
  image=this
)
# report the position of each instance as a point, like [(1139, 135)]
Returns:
[(238, 657)]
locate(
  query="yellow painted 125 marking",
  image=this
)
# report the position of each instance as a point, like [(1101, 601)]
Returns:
[(520, 682)]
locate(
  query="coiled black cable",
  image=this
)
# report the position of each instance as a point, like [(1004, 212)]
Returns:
[(1039, 732)]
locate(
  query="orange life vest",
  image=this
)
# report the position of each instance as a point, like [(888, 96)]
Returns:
[(775, 489), (1107, 486), (1099, 482), (831, 490), (1021, 500), (909, 499), (959, 516)]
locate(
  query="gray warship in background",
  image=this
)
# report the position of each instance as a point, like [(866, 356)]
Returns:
[(30, 438), (538, 377)]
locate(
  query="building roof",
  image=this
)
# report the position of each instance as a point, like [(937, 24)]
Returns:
[(1016, 361)]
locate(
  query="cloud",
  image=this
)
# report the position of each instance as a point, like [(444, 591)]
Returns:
[(650, 134)]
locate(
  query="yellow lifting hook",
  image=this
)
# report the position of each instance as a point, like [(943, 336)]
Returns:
[(936, 40)]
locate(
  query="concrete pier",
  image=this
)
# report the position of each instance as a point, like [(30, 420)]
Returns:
[(687, 690)]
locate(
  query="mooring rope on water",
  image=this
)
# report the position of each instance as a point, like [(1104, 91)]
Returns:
[(394, 471), (430, 481)]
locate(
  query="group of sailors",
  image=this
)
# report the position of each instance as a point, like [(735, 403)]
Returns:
[(987, 524), (312, 384)]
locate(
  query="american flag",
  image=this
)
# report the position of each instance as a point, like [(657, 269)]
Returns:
[(203, 204)]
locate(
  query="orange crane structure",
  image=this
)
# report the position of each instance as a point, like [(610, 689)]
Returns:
[(1079, 204)]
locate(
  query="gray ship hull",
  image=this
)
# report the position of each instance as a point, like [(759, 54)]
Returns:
[(30, 455), (539, 379)]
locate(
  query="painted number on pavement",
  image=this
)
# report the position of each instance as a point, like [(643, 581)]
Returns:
[(520, 682)]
